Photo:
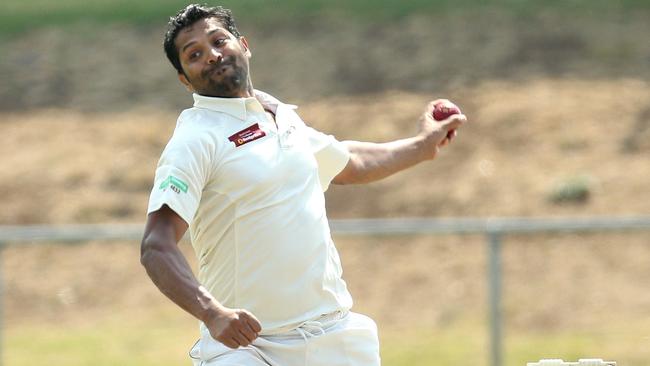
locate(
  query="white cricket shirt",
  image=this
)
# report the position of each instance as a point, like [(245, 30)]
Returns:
[(252, 193)]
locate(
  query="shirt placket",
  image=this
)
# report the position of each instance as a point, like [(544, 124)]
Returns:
[(265, 122)]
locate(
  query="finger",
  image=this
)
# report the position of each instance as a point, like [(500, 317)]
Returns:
[(228, 339), (250, 330), (454, 121), (253, 322), (433, 103), (230, 343), (456, 118), (241, 340), (428, 110), (444, 142), (247, 333), (245, 329)]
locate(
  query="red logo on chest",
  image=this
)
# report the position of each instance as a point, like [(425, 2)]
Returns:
[(247, 135)]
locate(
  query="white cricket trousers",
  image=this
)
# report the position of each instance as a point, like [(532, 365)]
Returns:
[(339, 339)]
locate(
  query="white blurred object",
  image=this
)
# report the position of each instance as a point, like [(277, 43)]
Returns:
[(581, 362)]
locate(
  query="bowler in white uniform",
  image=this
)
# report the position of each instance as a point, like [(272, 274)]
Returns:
[(247, 176)]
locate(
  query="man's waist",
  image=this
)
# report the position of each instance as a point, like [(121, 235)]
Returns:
[(323, 321)]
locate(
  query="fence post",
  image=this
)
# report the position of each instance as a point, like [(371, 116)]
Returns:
[(494, 297)]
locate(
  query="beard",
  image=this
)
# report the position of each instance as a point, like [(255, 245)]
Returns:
[(226, 79)]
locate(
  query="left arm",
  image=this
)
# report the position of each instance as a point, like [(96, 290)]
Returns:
[(373, 161)]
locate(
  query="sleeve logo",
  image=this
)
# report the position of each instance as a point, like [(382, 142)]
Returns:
[(174, 184), (247, 135)]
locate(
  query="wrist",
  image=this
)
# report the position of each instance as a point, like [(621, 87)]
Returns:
[(210, 308), (426, 149)]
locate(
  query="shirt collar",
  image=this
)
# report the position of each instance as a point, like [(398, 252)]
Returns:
[(238, 107)]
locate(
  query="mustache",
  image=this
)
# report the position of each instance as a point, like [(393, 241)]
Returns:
[(228, 61)]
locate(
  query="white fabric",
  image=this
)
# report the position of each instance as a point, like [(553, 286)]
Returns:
[(256, 211), (348, 341)]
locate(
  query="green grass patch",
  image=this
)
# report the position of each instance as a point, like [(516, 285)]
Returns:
[(469, 346), (576, 189), (451, 346), (628, 347), (565, 346), (18, 16), (154, 340), (163, 338)]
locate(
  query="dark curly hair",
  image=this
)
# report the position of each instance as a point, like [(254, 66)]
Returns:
[(188, 16)]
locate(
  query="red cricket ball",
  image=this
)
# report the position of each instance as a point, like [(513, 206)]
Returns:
[(442, 110)]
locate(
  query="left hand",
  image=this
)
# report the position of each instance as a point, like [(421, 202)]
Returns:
[(434, 133)]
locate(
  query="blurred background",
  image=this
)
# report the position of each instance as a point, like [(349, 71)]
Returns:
[(557, 93)]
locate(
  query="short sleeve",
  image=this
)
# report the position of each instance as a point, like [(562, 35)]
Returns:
[(331, 155), (180, 177)]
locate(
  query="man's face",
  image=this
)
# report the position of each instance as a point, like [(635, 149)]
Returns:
[(214, 61)]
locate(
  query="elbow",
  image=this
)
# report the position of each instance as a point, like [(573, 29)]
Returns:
[(350, 177), (346, 179), (148, 250), (352, 173), (341, 180)]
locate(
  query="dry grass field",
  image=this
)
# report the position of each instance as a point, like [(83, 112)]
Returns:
[(523, 142), (527, 150)]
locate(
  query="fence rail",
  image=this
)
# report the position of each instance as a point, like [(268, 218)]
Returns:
[(76, 233), (492, 228)]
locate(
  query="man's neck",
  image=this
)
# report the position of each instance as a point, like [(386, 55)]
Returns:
[(249, 90)]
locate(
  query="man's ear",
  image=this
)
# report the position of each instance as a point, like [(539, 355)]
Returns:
[(184, 81), (244, 43)]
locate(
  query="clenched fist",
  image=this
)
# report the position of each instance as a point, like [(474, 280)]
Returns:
[(234, 327)]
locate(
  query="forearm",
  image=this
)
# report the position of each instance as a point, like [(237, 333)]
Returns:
[(170, 272), (374, 161)]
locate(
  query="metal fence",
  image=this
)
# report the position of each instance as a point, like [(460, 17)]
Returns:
[(493, 229)]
